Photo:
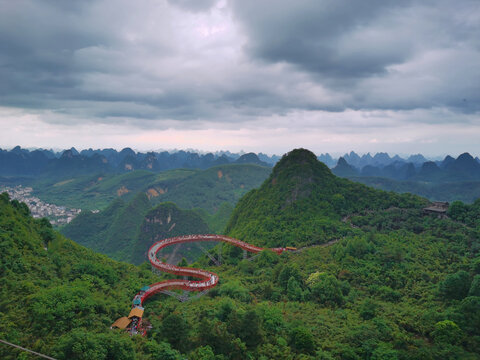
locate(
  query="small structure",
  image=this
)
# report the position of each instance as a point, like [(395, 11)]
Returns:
[(136, 312), (121, 323), (439, 208), (135, 317), (137, 302)]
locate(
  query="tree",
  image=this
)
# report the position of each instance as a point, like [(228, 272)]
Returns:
[(327, 290), (288, 271), (384, 351), (294, 291), (81, 344), (475, 287), (468, 316), (368, 309), (161, 351), (183, 262), (455, 286), (301, 340), (175, 331), (447, 332), (202, 353), (476, 266), (457, 210), (250, 331)]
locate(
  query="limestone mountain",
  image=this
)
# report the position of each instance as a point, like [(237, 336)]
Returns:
[(344, 169), (250, 158), (112, 231), (465, 167), (302, 202), (209, 189), (125, 230), (164, 221)]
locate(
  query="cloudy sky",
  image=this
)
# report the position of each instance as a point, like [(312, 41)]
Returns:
[(258, 75)]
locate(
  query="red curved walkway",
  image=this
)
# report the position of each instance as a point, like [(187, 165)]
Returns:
[(207, 279)]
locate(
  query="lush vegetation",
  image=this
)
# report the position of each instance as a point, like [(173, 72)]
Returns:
[(164, 221), (398, 283), (303, 203), (210, 188), (125, 231), (113, 231), (116, 230), (466, 191), (406, 286), (97, 191), (59, 298), (468, 214), (189, 188)]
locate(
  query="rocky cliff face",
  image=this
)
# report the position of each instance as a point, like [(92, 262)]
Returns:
[(164, 221)]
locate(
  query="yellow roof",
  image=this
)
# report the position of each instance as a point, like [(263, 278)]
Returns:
[(121, 323), (136, 312)]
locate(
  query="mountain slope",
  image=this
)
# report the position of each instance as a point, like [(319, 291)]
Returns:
[(164, 221), (59, 298), (210, 188), (466, 191), (302, 202), (96, 191), (206, 189), (112, 231), (125, 231)]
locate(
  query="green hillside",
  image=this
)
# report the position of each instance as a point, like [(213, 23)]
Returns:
[(125, 231), (466, 191), (164, 221), (206, 189), (217, 221), (112, 231), (210, 188), (209, 196), (303, 203), (408, 287), (59, 298), (398, 284), (97, 191)]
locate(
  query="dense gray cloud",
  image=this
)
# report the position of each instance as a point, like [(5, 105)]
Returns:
[(421, 54), (193, 5), (334, 38), (233, 63)]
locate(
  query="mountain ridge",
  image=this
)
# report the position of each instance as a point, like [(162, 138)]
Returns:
[(303, 193)]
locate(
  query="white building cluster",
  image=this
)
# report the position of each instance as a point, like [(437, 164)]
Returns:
[(58, 215)]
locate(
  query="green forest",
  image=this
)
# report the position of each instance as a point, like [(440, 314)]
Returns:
[(374, 277), (188, 188)]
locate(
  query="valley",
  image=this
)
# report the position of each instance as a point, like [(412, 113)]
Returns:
[(239, 180), (376, 277)]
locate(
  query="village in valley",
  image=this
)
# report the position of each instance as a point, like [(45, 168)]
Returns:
[(58, 215)]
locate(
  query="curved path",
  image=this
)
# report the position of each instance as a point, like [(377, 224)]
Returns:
[(207, 279), (133, 323)]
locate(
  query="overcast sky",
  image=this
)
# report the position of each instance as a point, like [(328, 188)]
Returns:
[(258, 75)]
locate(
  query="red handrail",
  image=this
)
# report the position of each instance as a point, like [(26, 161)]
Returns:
[(207, 279)]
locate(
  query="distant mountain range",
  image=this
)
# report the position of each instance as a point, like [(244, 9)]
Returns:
[(379, 160), (464, 168), (23, 162)]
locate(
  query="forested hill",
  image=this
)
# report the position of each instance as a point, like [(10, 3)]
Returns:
[(303, 203), (207, 189), (112, 231), (59, 298), (403, 285)]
